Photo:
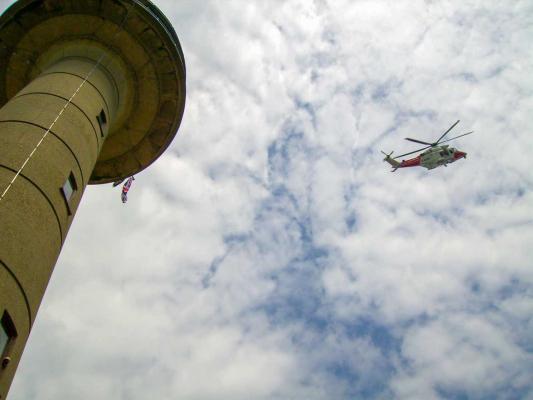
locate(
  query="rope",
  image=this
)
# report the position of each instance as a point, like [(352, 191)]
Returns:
[(61, 111)]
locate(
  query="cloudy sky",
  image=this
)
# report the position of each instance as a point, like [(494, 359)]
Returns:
[(270, 253)]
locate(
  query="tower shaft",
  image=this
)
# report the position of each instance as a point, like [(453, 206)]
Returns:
[(37, 210), (91, 92)]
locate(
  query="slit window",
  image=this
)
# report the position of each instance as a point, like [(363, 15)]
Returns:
[(7, 332), (68, 189), (4, 338), (102, 122)]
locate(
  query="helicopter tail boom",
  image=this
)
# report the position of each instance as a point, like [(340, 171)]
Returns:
[(395, 164)]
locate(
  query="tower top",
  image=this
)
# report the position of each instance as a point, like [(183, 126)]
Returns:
[(137, 49)]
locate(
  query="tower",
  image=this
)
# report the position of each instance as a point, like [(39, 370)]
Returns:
[(91, 91)]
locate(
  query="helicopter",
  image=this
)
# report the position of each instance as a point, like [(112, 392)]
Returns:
[(435, 154)]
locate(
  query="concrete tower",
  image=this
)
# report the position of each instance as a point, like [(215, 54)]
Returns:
[(103, 82)]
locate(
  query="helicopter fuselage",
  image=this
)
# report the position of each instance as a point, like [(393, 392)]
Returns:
[(434, 157)]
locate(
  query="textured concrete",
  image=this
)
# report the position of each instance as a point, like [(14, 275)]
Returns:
[(136, 79)]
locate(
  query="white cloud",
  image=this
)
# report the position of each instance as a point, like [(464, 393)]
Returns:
[(269, 253)]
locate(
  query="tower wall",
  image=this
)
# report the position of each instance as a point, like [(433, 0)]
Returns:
[(120, 121), (36, 213)]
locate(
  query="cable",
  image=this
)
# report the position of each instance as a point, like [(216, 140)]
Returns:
[(61, 111)]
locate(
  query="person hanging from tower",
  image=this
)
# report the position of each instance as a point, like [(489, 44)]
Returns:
[(126, 188)]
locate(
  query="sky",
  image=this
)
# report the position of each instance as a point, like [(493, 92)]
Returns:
[(270, 254)]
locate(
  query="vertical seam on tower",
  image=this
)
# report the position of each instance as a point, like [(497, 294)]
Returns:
[(78, 76), (23, 293), (56, 136), (75, 105), (45, 196)]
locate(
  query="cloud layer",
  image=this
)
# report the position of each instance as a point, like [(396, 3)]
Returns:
[(269, 253)]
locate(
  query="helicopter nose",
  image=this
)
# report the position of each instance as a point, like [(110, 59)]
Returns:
[(459, 154)]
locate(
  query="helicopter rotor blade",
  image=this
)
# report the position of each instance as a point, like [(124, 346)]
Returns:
[(417, 141), (412, 152), (464, 134), (445, 133)]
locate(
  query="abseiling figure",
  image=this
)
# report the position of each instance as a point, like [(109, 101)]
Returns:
[(126, 188)]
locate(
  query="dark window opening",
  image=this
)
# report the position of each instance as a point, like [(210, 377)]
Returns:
[(68, 189), (7, 332), (102, 122)]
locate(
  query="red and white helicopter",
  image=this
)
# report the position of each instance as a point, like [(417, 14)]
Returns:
[(436, 154)]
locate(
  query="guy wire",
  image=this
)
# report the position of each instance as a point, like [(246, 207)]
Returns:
[(61, 111)]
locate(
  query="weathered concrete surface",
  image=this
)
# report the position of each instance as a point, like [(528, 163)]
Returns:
[(47, 50)]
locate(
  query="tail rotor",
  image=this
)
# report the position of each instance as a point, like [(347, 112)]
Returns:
[(387, 155), (395, 164)]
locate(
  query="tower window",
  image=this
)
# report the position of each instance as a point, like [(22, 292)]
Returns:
[(102, 122), (7, 332), (68, 189), (4, 338)]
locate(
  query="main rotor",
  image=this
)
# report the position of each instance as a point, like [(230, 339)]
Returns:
[(434, 144)]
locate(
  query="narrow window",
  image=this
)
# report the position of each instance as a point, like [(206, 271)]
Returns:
[(7, 332), (4, 338), (68, 189), (102, 122)]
